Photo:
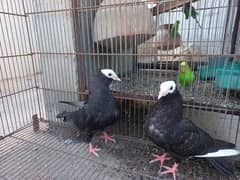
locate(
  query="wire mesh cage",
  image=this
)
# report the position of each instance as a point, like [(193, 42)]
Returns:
[(51, 49)]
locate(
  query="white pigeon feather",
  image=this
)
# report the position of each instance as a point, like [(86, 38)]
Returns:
[(221, 153)]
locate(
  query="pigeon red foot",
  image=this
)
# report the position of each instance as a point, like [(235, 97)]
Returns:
[(172, 170), (160, 158), (107, 138), (93, 150)]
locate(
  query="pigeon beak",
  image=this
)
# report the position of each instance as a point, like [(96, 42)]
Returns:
[(118, 79), (161, 94)]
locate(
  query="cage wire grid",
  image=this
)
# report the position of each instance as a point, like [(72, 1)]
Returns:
[(50, 50)]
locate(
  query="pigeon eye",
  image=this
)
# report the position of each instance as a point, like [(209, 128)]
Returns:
[(171, 88), (109, 74)]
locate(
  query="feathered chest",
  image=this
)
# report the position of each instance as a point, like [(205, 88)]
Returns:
[(165, 115)]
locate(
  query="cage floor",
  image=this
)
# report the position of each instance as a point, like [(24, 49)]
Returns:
[(146, 83), (43, 155)]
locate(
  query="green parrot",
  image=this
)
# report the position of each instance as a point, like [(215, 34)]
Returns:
[(186, 76), (187, 11), (174, 28), (193, 13)]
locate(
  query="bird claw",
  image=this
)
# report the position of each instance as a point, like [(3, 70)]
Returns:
[(160, 158), (93, 150), (172, 170), (107, 138)]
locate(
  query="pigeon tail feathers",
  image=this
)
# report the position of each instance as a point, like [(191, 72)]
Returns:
[(222, 165)]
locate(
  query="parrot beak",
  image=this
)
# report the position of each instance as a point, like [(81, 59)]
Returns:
[(183, 69)]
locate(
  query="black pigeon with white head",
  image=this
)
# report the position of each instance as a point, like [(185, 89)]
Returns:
[(100, 111), (167, 128)]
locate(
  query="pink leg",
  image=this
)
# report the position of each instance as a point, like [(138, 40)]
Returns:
[(93, 150), (161, 158), (172, 170), (107, 138)]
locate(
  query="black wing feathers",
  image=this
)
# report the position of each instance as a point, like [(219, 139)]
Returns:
[(101, 109), (166, 127)]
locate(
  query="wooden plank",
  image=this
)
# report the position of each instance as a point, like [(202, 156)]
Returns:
[(166, 6)]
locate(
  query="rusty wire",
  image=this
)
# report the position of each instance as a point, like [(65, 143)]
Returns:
[(41, 32)]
